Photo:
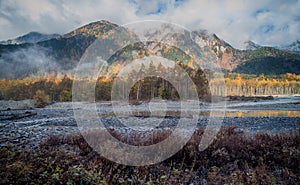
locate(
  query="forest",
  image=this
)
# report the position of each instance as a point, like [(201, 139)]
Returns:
[(59, 88), (251, 85)]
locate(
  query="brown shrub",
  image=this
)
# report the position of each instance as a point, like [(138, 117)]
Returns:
[(232, 158)]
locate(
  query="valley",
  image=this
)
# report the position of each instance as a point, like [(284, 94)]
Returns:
[(56, 102), (280, 115)]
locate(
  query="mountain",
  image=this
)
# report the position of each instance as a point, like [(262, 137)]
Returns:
[(228, 57), (294, 47), (65, 51), (250, 45), (68, 48), (255, 59), (32, 37), (94, 29), (58, 55), (269, 61)]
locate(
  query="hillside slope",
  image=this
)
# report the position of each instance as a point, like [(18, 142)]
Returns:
[(64, 53)]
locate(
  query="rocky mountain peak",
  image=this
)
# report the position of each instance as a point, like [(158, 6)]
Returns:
[(294, 47), (250, 45), (95, 29)]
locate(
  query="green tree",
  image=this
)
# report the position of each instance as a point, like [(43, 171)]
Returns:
[(165, 94), (41, 98), (65, 95)]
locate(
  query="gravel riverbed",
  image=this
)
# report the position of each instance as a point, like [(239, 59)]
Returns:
[(58, 119)]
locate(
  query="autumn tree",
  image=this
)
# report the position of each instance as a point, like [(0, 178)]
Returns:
[(41, 98)]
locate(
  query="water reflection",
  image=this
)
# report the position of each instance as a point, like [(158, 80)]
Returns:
[(263, 113), (231, 113)]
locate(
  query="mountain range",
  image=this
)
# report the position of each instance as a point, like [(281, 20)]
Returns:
[(31, 37), (41, 53), (294, 47)]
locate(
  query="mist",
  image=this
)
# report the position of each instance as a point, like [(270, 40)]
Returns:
[(27, 62)]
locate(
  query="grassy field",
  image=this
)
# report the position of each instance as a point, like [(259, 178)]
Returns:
[(232, 158)]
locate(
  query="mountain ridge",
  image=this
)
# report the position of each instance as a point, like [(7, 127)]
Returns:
[(293, 47), (66, 50), (31, 37), (250, 45)]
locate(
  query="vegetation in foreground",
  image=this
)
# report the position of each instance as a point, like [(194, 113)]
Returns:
[(233, 158)]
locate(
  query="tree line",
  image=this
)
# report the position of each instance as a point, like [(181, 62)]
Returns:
[(249, 85), (51, 88), (60, 88)]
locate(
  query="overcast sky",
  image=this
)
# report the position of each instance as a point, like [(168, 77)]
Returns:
[(266, 22)]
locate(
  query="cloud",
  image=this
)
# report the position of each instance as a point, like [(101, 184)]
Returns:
[(27, 61), (266, 22)]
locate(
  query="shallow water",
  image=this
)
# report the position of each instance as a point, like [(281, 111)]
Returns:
[(262, 113), (274, 116), (279, 107)]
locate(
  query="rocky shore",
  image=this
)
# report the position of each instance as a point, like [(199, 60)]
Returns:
[(59, 120)]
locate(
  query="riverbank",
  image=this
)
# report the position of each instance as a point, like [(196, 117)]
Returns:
[(58, 119), (46, 146), (232, 158)]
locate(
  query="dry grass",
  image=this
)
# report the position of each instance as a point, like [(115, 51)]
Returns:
[(233, 158)]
